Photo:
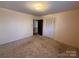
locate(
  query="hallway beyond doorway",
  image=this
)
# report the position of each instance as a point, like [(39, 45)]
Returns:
[(38, 27)]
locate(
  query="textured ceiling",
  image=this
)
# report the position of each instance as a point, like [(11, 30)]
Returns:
[(53, 6)]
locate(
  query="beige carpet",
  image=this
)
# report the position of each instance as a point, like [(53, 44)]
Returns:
[(37, 46)]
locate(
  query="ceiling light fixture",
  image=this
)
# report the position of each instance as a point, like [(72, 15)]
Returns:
[(37, 6)]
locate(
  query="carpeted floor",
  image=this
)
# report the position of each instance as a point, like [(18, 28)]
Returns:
[(37, 46)]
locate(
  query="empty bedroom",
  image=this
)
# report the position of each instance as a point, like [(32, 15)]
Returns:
[(39, 29)]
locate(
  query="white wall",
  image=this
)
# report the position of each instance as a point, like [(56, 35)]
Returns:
[(48, 26), (66, 27), (14, 25), (36, 17)]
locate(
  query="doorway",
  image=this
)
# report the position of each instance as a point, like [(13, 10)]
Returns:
[(38, 27)]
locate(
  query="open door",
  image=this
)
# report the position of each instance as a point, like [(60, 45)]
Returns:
[(40, 27)]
